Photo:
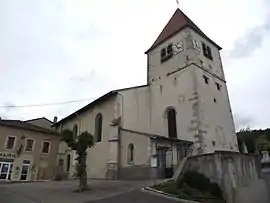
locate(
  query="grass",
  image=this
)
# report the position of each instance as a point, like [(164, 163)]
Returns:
[(193, 186)]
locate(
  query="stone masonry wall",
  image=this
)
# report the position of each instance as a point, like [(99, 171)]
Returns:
[(231, 170)]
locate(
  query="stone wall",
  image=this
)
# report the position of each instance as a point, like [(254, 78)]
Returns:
[(231, 170)]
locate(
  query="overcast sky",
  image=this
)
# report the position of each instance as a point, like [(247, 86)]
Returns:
[(62, 50)]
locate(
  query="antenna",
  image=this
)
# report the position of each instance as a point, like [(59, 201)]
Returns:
[(177, 2)]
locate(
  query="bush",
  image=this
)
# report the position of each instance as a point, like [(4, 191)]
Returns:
[(194, 186), (200, 182)]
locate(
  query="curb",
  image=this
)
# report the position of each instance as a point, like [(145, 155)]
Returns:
[(166, 195), (23, 182)]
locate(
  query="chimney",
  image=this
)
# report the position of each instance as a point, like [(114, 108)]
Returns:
[(55, 119)]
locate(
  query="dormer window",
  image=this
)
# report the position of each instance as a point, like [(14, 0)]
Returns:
[(166, 53), (207, 51)]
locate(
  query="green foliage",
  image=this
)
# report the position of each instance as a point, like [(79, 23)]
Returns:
[(250, 137), (193, 186), (80, 144), (262, 144), (201, 183)]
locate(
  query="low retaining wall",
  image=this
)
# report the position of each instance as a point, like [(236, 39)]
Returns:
[(231, 170)]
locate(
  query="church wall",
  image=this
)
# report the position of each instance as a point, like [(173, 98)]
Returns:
[(97, 155), (214, 66), (217, 120), (158, 71), (140, 167), (176, 92), (136, 109), (172, 85)]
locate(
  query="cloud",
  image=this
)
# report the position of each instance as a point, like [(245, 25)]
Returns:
[(62, 50), (242, 122), (246, 45)]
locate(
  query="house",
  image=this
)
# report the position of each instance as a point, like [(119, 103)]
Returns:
[(27, 152), (41, 122), (145, 131)]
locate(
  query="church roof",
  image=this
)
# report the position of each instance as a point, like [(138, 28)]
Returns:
[(178, 22), (95, 102)]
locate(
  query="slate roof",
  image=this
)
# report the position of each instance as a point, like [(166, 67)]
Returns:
[(27, 126), (178, 22)]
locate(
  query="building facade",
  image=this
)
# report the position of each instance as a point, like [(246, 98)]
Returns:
[(27, 152), (145, 131)]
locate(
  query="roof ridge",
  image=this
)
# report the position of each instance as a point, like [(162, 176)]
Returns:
[(177, 22)]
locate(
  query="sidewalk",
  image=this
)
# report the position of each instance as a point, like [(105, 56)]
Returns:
[(257, 192)]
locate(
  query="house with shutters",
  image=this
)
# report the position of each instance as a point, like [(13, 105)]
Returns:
[(183, 109)]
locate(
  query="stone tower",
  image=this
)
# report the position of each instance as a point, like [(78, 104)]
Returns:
[(183, 61)]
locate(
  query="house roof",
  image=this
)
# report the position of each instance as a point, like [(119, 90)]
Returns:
[(41, 118), (27, 126), (178, 22), (95, 102), (158, 137)]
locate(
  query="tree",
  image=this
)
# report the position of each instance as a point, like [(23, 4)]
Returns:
[(80, 144), (262, 144), (250, 136)]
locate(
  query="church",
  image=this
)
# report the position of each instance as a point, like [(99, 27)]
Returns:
[(145, 131)]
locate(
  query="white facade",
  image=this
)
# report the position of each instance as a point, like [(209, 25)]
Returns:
[(203, 112)]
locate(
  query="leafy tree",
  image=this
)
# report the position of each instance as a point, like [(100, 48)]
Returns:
[(80, 144), (250, 136), (262, 144)]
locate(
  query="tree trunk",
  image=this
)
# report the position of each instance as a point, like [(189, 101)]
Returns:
[(83, 176)]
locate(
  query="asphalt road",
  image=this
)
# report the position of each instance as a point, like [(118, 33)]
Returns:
[(135, 196), (6, 196), (11, 195)]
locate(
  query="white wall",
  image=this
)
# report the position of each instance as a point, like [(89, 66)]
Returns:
[(142, 149), (215, 117), (97, 156)]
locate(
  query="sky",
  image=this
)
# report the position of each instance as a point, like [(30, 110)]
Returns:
[(53, 51)]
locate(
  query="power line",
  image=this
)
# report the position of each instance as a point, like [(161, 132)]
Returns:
[(45, 104)]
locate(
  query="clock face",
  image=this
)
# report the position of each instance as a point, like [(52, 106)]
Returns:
[(178, 47), (196, 46)]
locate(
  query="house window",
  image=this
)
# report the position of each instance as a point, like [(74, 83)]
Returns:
[(45, 147), (29, 145), (10, 142), (207, 51), (171, 118), (166, 53), (169, 51), (218, 86), (130, 154), (75, 130), (206, 79), (163, 54), (98, 127)]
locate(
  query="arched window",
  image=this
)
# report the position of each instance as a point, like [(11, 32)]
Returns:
[(98, 127), (68, 162), (130, 154), (75, 130), (171, 117)]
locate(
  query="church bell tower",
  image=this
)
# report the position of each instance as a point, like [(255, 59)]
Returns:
[(183, 61)]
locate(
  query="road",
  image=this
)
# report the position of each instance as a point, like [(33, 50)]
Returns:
[(55, 192)]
